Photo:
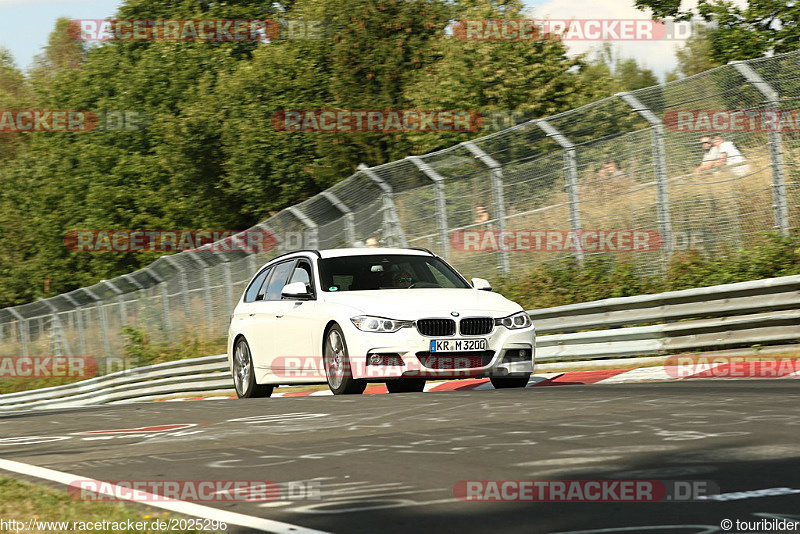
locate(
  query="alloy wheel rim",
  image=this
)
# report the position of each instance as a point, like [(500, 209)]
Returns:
[(334, 359), (241, 367)]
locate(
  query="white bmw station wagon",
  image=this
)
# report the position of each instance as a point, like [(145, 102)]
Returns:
[(352, 316)]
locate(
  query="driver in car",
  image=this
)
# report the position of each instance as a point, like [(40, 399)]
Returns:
[(403, 280)]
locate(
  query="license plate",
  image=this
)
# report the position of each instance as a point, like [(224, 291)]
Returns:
[(458, 345)]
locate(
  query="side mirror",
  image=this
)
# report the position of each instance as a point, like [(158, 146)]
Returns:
[(295, 290), (481, 284)]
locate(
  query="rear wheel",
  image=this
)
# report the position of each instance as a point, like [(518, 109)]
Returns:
[(504, 382), (406, 385), (244, 376), (337, 365)]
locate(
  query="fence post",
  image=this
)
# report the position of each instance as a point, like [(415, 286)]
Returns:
[(206, 291), (78, 321), (441, 203), (228, 283), (496, 172), (184, 285), (771, 97), (313, 229), (660, 168), (571, 172), (349, 219), (391, 221), (123, 315), (57, 336), (22, 325), (101, 312), (139, 287)]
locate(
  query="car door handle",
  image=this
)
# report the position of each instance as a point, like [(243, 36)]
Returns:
[(279, 316), (252, 314)]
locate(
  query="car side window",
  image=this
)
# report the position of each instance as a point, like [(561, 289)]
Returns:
[(253, 289), (302, 273), (278, 279)]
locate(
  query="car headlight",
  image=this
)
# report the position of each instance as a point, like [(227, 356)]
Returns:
[(368, 323), (515, 321)]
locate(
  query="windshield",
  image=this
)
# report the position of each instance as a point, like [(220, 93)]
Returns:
[(387, 271)]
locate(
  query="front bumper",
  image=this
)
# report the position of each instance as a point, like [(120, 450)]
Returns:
[(502, 357)]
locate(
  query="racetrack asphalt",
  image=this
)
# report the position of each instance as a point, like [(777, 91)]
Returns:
[(389, 463)]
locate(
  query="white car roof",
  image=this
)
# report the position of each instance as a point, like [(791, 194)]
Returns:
[(366, 251)]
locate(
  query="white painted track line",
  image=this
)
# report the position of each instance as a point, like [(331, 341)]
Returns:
[(181, 507)]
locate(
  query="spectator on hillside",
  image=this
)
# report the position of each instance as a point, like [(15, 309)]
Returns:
[(710, 156), (481, 215), (730, 156), (611, 169)]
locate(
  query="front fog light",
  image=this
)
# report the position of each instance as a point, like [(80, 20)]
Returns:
[(375, 359)]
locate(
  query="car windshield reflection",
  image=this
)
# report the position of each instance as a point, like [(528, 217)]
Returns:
[(387, 271)]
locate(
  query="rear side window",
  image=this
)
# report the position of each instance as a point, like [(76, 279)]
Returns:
[(255, 285), (278, 279)]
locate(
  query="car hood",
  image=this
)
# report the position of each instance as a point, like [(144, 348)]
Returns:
[(416, 303)]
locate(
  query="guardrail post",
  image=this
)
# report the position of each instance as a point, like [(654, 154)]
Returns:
[(313, 229), (391, 221), (660, 168), (571, 172), (771, 97), (349, 218), (441, 203), (496, 172), (22, 325)]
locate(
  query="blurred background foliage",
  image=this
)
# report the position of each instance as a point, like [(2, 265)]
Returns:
[(208, 156)]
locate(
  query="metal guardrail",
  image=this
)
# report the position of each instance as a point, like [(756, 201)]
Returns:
[(717, 317), (725, 316)]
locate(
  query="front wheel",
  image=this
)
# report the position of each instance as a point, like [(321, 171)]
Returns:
[(504, 382), (244, 376), (337, 365)]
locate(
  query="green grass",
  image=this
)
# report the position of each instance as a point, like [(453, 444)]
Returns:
[(22, 501)]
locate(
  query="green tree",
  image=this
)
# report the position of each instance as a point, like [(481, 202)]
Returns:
[(741, 32), (695, 56)]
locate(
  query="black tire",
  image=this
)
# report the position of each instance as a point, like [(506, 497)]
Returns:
[(244, 376), (406, 385), (505, 382), (336, 360)]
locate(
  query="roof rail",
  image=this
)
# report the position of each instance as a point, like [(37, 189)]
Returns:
[(423, 249), (315, 251)]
